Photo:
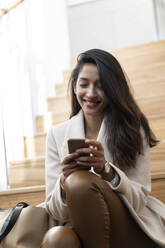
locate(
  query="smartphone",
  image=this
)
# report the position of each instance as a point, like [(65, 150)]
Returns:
[(74, 144)]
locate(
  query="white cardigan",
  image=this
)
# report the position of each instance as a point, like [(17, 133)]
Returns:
[(134, 186)]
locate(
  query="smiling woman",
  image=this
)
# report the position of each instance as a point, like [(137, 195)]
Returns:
[(104, 114), (90, 95)]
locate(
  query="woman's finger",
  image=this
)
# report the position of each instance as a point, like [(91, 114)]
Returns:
[(70, 157), (87, 164), (92, 142), (89, 159), (89, 151), (68, 166)]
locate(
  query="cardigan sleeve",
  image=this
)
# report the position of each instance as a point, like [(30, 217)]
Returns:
[(55, 205), (135, 183)]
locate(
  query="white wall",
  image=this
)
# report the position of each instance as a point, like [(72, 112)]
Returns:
[(48, 49), (160, 14), (109, 24), (3, 162)]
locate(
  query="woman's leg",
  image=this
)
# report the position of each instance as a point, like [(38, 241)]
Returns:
[(98, 216), (60, 237)]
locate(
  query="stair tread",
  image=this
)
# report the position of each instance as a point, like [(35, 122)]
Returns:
[(21, 190), (27, 160)]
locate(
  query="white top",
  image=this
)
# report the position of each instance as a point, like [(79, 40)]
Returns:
[(133, 189)]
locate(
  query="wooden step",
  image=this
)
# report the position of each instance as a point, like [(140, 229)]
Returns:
[(158, 188), (32, 195), (36, 194), (137, 73), (157, 157), (157, 124), (150, 88), (28, 172), (43, 123), (34, 146), (58, 105), (158, 127), (140, 50), (17, 179), (61, 89), (151, 73), (134, 61), (153, 107), (31, 172), (135, 51), (140, 61)]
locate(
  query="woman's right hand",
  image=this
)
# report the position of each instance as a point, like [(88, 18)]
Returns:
[(69, 165)]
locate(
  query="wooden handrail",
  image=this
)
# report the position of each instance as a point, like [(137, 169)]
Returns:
[(9, 7)]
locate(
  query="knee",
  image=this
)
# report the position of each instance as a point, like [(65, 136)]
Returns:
[(61, 237), (81, 182)]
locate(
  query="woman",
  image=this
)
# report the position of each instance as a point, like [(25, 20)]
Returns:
[(108, 206)]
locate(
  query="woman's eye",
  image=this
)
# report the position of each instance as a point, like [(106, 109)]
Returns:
[(83, 85)]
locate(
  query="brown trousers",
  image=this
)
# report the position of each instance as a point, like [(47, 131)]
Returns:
[(99, 218)]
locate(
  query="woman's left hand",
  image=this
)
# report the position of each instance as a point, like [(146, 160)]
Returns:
[(94, 155)]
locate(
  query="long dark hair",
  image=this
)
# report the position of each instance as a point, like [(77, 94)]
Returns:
[(124, 120)]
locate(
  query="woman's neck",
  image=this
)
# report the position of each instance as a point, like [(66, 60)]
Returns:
[(92, 126)]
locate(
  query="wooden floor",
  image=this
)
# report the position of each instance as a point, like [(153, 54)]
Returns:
[(145, 68)]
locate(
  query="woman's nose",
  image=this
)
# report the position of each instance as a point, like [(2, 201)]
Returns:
[(91, 92)]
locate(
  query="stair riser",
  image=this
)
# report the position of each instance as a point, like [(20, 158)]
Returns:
[(58, 105), (33, 197), (43, 123), (34, 146)]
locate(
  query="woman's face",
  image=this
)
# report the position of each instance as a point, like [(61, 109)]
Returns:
[(89, 92)]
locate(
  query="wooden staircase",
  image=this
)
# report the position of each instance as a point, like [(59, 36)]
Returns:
[(145, 67)]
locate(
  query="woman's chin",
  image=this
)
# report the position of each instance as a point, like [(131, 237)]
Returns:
[(92, 112)]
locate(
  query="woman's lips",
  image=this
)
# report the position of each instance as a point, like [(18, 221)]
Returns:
[(91, 103)]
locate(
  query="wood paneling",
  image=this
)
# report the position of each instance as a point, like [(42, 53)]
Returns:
[(35, 145), (157, 156), (61, 89), (58, 105), (36, 195), (28, 172), (31, 172), (158, 189), (153, 107), (43, 123), (152, 48), (32, 195)]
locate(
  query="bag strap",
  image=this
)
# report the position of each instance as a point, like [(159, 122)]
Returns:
[(11, 219)]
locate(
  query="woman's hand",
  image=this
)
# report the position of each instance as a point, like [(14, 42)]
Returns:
[(94, 156), (69, 165)]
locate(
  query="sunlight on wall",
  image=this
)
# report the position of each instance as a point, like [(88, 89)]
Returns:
[(34, 51)]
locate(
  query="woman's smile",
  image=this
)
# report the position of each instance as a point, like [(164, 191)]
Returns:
[(91, 103)]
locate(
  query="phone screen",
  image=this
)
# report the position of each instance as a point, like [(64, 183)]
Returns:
[(74, 144)]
